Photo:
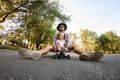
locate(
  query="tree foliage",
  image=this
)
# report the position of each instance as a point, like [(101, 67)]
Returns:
[(103, 40), (73, 38), (88, 40), (114, 41), (9, 8), (38, 25), (108, 42), (36, 18)]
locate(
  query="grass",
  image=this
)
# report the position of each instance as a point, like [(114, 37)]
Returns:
[(9, 47)]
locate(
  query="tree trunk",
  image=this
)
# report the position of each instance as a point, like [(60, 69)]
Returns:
[(103, 48)]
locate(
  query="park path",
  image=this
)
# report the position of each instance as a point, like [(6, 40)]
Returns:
[(13, 67)]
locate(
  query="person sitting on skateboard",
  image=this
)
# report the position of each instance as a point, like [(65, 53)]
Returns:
[(61, 44), (62, 27)]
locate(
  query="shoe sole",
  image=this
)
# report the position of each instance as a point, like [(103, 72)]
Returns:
[(25, 54), (84, 58), (36, 56), (96, 56)]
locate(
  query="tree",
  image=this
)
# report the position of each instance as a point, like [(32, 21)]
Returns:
[(16, 37), (8, 8), (38, 25), (113, 40), (73, 37), (88, 40), (36, 18), (103, 40)]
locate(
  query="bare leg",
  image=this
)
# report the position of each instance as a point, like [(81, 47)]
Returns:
[(87, 56), (76, 49), (33, 54), (45, 50)]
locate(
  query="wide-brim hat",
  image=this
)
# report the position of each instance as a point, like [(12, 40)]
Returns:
[(65, 26)]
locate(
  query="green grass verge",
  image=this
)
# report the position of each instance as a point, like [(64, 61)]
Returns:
[(10, 47)]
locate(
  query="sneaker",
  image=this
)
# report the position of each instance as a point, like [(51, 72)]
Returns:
[(91, 56), (26, 53)]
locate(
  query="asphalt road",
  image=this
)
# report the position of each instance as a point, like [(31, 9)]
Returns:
[(13, 67)]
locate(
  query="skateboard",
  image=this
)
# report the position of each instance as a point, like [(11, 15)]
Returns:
[(61, 54)]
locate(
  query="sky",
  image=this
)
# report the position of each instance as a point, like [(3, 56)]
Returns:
[(95, 15)]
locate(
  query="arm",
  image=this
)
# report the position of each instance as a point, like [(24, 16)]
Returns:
[(54, 40), (67, 39), (54, 43)]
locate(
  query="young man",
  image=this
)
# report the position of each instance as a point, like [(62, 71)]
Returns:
[(89, 56)]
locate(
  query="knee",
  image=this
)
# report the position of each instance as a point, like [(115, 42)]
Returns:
[(49, 46), (75, 46)]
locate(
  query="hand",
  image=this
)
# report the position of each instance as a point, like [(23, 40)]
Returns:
[(66, 49)]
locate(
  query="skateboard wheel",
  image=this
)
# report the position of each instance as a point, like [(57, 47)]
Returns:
[(55, 56)]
